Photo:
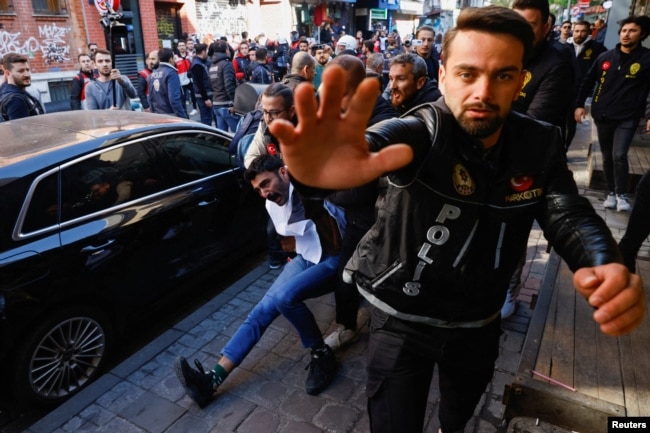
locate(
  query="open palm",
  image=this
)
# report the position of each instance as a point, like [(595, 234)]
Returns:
[(327, 148)]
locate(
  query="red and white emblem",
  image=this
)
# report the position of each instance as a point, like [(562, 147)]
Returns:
[(606, 65), (521, 183)]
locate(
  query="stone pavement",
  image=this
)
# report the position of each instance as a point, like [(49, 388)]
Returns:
[(266, 393)]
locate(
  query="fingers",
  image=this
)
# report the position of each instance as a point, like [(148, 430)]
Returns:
[(331, 92), (617, 295), (306, 106), (363, 102), (578, 115), (284, 131), (623, 313)]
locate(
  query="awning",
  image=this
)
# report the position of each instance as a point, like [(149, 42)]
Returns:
[(410, 7)]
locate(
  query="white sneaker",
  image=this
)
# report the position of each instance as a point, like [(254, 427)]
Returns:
[(342, 336), (193, 112), (610, 201), (622, 203), (509, 306)]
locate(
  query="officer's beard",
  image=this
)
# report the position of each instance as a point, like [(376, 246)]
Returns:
[(484, 127)]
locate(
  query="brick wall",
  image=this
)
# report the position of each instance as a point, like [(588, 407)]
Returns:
[(50, 41)]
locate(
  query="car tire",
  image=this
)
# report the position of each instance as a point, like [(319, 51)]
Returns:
[(63, 354)]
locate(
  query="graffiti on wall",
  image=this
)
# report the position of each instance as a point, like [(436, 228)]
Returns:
[(218, 18), (51, 43)]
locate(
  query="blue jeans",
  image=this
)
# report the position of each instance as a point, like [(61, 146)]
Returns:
[(225, 119), (206, 112), (298, 281), (615, 137)]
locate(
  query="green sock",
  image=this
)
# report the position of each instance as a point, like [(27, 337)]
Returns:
[(219, 376)]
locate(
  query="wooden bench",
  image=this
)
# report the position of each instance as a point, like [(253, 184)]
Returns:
[(609, 376)]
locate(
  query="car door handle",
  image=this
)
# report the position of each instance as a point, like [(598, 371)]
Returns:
[(91, 249), (207, 203)]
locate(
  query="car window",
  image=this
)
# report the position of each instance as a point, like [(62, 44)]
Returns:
[(111, 178), (196, 156), (43, 206)]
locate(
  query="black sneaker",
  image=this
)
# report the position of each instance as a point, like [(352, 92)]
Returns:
[(197, 382), (322, 370)]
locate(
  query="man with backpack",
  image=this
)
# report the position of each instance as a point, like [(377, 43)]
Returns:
[(15, 101), (223, 83), (86, 74)]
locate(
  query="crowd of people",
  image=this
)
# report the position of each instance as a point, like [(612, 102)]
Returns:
[(424, 238), (431, 232)]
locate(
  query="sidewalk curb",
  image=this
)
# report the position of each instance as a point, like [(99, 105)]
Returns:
[(71, 408)]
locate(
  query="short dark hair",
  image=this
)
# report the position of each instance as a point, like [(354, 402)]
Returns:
[(9, 59), (418, 64), (425, 28), (165, 55), (540, 5), (262, 164), (83, 55), (491, 19), (200, 48), (582, 23), (370, 45), (260, 53), (283, 91), (102, 51), (219, 46), (642, 21)]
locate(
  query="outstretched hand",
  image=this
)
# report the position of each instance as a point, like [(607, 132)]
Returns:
[(327, 148), (616, 293)]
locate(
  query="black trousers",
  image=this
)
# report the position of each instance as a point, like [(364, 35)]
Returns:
[(638, 226), (401, 360)]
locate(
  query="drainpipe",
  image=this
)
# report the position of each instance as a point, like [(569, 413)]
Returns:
[(83, 11)]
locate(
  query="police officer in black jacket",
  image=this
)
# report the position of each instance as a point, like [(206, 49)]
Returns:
[(465, 185), (622, 80)]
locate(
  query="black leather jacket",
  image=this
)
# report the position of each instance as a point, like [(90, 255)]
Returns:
[(450, 231)]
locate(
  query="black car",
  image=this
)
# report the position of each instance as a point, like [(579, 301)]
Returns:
[(102, 214)]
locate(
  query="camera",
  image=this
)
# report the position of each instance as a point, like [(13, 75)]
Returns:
[(416, 43)]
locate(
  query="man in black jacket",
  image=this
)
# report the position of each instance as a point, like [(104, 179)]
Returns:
[(15, 101), (408, 83), (359, 206), (546, 95), (201, 83), (585, 51), (426, 50), (467, 181), (622, 76), (223, 82), (86, 73), (150, 63), (547, 91)]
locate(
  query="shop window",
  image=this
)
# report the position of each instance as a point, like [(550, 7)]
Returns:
[(50, 7)]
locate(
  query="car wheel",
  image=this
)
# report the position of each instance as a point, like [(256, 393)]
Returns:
[(62, 355)]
